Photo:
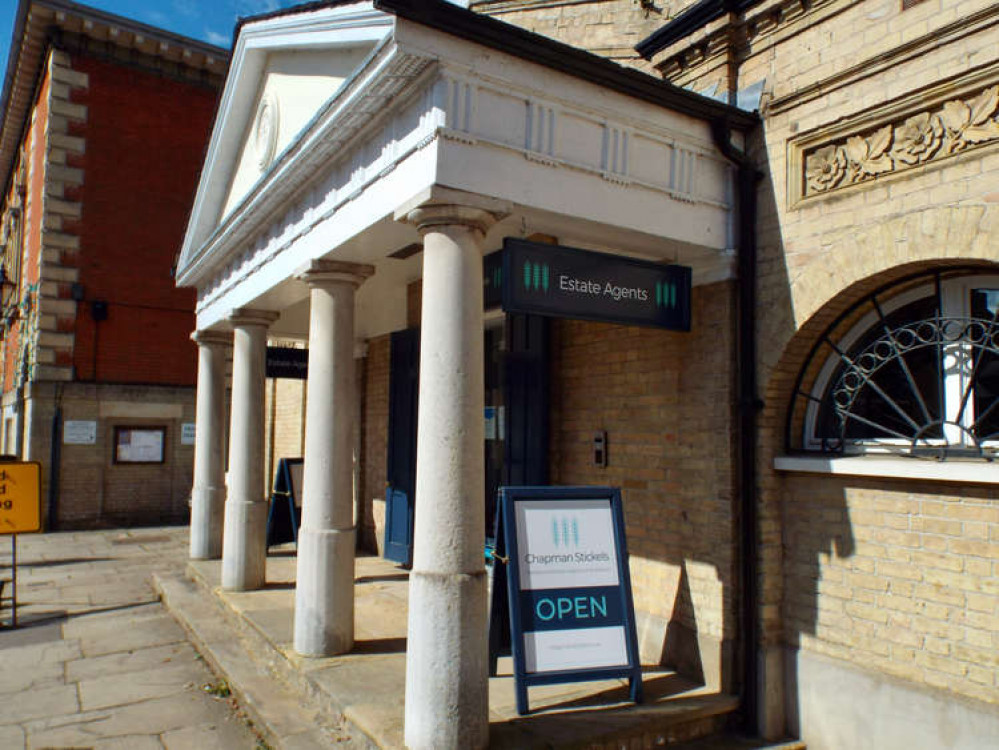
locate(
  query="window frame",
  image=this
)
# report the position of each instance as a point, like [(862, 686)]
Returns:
[(954, 298)]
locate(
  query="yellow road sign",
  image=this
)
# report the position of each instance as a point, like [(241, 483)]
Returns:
[(20, 497)]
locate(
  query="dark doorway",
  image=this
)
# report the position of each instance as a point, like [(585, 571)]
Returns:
[(516, 420)]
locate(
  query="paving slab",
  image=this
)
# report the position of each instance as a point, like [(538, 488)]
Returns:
[(51, 701), (144, 632), (98, 663), (132, 687), (78, 670)]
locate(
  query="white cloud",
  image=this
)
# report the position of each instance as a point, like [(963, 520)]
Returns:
[(219, 40)]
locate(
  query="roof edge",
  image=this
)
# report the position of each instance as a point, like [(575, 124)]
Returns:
[(690, 20), (564, 58)]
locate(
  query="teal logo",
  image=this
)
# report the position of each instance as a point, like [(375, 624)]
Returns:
[(537, 276), (666, 294), (565, 532)]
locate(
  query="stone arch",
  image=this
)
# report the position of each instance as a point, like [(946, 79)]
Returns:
[(851, 263)]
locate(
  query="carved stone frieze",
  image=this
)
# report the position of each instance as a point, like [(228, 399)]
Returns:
[(909, 141)]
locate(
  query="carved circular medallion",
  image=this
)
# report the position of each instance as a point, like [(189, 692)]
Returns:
[(265, 130)]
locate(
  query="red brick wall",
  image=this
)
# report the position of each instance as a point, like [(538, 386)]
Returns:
[(145, 142), (34, 154)]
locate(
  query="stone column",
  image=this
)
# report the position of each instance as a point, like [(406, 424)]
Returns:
[(447, 677), (208, 494), (244, 543), (324, 592)]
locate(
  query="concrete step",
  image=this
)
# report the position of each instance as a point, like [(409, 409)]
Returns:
[(728, 741), (355, 700), (275, 707)]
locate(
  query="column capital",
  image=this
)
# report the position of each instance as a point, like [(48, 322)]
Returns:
[(209, 337), (328, 272), (429, 217), (246, 316), (438, 206)]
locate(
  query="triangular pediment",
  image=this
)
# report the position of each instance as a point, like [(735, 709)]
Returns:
[(285, 68)]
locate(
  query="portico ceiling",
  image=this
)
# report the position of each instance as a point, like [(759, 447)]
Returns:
[(335, 115)]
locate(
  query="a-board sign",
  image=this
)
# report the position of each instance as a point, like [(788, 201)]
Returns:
[(20, 499), (568, 587), (570, 283), (285, 513)]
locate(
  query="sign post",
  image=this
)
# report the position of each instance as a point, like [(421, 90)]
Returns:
[(20, 511), (572, 617)]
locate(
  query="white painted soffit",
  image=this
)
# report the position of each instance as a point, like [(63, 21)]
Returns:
[(326, 29)]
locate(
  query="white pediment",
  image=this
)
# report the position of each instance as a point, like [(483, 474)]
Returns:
[(284, 69)]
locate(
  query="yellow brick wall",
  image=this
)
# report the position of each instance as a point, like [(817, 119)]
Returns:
[(665, 400), (893, 576), (610, 28), (897, 576)]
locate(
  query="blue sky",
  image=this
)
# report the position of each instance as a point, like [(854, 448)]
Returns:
[(209, 20)]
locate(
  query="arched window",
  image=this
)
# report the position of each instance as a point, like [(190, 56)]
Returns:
[(912, 368)]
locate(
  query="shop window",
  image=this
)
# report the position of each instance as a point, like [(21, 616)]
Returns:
[(139, 445), (912, 369)]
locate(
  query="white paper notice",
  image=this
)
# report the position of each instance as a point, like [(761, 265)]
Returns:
[(590, 648)]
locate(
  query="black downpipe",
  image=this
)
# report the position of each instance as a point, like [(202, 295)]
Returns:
[(55, 456), (749, 405)]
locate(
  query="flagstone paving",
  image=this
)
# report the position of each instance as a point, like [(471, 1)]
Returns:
[(96, 662)]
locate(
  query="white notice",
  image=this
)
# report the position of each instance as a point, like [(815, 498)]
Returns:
[(187, 433), (79, 432), (589, 648)]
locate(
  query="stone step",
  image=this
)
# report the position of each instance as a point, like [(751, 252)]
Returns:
[(355, 700), (277, 710), (728, 741)]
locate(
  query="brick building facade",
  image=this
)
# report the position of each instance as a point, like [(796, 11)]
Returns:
[(823, 543), (103, 133)]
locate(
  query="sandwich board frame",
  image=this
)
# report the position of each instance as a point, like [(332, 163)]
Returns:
[(568, 588)]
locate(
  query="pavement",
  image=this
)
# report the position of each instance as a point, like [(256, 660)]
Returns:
[(99, 662), (96, 662)]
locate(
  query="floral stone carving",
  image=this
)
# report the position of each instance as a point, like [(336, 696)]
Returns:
[(926, 136)]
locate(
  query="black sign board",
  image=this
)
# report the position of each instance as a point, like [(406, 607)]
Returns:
[(287, 362), (285, 513), (568, 588), (569, 283)]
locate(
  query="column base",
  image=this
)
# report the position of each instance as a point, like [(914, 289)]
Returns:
[(447, 672), (207, 517), (324, 591), (244, 545)]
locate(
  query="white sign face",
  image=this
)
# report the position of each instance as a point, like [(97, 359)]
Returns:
[(187, 433), (589, 648), (567, 550), (564, 544), (79, 432)]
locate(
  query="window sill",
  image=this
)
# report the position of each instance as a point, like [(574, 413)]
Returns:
[(893, 467)]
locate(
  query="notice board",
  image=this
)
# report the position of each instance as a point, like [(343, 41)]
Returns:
[(568, 587)]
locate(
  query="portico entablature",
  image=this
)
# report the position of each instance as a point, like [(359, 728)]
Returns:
[(592, 165)]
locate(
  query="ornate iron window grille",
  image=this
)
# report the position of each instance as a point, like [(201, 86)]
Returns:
[(940, 425)]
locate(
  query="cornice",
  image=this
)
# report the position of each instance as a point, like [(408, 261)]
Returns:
[(911, 50), (34, 23)]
